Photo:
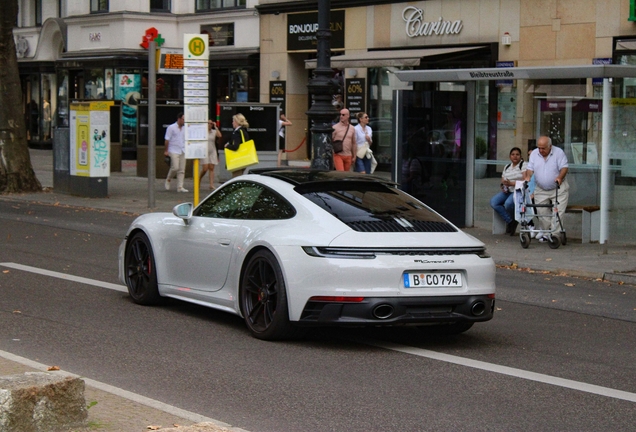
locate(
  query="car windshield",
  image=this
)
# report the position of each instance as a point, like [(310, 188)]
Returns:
[(373, 207)]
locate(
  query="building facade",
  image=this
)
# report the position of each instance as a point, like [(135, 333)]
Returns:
[(77, 51)]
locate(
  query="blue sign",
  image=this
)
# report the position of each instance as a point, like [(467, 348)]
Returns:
[(600, 61), (504, 64)]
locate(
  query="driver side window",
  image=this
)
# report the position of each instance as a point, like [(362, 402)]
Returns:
[(245, 200)]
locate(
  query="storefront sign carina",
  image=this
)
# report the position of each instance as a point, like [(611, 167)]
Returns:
[(416, 26)]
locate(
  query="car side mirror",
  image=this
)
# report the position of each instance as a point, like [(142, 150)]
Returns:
[(183, 211)]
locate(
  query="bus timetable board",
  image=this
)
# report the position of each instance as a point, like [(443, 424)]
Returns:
[(170, 61)]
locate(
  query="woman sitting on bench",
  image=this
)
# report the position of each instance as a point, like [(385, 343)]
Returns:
[(503, 202)]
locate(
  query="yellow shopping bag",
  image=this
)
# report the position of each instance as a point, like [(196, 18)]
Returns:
[(241, 158)]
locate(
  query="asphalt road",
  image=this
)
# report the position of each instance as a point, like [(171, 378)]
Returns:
[(559, 354)]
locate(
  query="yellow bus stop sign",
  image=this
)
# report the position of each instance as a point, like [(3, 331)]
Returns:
[(195, 47)]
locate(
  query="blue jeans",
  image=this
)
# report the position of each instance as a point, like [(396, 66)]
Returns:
[(504, 205), (363, 165)]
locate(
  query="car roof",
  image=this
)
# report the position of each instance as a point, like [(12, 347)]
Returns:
[(302, 176)]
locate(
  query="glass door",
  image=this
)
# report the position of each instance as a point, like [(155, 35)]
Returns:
[(433, 153)]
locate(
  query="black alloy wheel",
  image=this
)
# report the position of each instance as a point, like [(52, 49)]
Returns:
[(264, 298), (141, 273)]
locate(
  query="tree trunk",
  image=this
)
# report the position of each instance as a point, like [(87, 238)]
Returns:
[(16, 171)]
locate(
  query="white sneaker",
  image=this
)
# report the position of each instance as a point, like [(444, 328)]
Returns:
[(181, 189), (167, 184)]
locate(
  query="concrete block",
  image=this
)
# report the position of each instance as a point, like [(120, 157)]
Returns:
[(41, 401)]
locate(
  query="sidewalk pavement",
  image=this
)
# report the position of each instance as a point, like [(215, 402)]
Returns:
[(129, 193)]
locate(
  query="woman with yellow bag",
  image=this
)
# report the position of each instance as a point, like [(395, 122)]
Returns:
[(239, 136)]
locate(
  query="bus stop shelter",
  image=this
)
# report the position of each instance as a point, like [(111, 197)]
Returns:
[(468, 79)]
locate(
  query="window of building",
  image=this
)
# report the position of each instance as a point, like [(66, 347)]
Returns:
[(160, 5), (208, 5), (99, 6), (38, 12), (94, 84)]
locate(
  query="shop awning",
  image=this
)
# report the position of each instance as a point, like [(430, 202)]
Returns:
[(386, 58), (513, 73)]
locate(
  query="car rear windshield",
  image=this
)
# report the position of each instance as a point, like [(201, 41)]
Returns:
[(374, 207)]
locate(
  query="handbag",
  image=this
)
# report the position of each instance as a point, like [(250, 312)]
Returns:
[(338, 144), (243, 157)]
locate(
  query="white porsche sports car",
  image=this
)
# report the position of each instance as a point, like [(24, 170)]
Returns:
[(287, 248)]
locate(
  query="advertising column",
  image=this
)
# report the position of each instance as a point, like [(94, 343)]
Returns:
[(196, 100), (89, 151)]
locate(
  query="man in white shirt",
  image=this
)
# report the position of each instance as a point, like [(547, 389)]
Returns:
[(175, 148), (550, 166)]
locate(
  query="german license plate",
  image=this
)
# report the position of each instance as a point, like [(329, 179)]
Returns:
[(432, 280)]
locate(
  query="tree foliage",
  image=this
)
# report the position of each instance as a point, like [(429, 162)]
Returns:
[(16, 171)]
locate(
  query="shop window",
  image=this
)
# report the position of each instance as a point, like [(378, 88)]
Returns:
[(108, 84), (32, 107), (209, 5), (239, 84), (169, 87), (62, 98), (38, 12), (160, 5), (49, 103), (94, 84), (99, 6), (128, 91)]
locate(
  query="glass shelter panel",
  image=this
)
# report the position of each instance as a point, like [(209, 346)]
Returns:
[(622, 155), (571, 114)]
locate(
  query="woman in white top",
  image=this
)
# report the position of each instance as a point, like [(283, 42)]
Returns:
[(503, 202), (364, 140), (212, 158)]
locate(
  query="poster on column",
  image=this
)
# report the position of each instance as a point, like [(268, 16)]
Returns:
[(79, 133), (100, 144)]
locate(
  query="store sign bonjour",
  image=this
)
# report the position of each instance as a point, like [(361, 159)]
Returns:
[(416, 26)]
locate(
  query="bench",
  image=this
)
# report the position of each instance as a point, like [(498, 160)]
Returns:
[(590, 222)]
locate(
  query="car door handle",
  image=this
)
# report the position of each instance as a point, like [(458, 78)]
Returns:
[(224, 242)]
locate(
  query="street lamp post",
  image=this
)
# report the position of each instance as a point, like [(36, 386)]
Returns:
[(321, 87)]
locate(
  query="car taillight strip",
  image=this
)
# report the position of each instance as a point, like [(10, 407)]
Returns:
[(364, 253)]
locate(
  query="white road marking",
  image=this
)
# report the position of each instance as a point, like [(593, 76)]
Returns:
[(491, 367), (65, 276), (505, 370)]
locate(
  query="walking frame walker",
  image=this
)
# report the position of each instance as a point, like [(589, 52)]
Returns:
[(527, 210)]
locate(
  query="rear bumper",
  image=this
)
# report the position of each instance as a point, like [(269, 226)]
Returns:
[(379, 311)]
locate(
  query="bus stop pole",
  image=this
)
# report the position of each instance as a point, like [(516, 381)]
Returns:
[(605, 166), (152, 118)]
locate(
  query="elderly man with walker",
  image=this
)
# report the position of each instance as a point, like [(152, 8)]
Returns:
[(550, 166)]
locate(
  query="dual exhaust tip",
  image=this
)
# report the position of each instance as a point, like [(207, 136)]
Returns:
[(386, 311)]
